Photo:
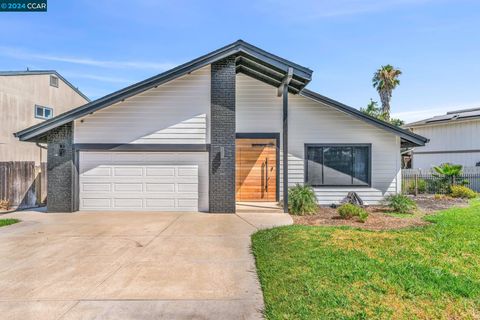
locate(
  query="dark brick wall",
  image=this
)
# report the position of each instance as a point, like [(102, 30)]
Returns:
[(222, 148), (61, 170)]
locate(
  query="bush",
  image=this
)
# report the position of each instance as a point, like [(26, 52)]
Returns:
[(462, 192), (348, 210), (302, 200), (363, 216), (421, 186), (5, 204), (401, 203)]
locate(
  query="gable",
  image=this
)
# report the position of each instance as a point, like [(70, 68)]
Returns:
[(176, 112)]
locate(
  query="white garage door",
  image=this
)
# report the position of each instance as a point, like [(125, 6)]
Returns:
[(139, 181)]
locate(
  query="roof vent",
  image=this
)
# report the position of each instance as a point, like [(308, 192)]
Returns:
[(54, 81)]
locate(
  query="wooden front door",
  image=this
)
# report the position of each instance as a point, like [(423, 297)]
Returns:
[(256, 170)]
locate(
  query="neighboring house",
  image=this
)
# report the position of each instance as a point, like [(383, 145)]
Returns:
[(454, 138), (213, 131), (28, 98)]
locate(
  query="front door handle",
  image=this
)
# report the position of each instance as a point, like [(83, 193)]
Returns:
[(266, 175)]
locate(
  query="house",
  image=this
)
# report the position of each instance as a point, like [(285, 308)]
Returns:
[(28, 98), (219, 129), (454, 138)]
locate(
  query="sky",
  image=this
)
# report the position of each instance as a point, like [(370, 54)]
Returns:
[(104, 45)]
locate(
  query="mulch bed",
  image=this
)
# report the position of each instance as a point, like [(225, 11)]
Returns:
[(429, 204), (378, 218)]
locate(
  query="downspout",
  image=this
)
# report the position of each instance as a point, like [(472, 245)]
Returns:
[(285, 148), (283, 90)]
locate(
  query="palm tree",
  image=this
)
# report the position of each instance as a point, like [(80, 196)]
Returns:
[(385, 80)]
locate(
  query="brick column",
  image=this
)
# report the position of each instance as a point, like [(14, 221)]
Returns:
[(222, 148), (61, 170)]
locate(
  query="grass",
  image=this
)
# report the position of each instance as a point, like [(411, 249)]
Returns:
[(431, 272), (7, 222)]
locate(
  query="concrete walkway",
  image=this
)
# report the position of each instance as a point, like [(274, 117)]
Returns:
[(131, 265)]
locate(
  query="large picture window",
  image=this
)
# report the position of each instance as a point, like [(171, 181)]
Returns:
[(337, 165)]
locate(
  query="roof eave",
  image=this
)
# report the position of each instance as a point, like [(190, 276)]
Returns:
[(406, 135)]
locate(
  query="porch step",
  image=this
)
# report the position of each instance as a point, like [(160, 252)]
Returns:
[(267, 207)]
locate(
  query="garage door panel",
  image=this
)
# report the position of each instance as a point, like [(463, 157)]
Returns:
[(128, 171), (160, 187), (97, 172), (186, 202), (98, 187), (159, 203), (187, 172), (127, 202), (143, 181), (187, 187), (160, 172), (96, 203), (127, 187)]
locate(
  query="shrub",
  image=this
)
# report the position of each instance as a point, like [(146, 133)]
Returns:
[(363, 216), (348, 210), (421, 186), (457, 191), (401, 203), (448, 174), (5, 204), (302, 200)]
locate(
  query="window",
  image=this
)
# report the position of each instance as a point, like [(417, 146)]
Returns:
[(54, 81), (337, 165), (43, 112)]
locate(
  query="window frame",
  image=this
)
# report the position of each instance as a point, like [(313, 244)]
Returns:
[(368, 145), (52, 83), (43, 108)]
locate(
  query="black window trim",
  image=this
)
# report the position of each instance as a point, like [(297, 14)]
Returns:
[(44, 108), (368, 145)]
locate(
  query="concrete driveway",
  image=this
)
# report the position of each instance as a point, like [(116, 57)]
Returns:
[(135, 265)]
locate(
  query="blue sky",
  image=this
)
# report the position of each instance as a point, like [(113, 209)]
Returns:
[(102, 46)]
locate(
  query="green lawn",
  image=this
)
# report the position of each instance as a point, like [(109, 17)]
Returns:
[(342, 273), (7, 222)]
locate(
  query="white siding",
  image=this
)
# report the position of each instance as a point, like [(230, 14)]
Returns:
[(461, 135), (426, 161), (177, 112), (260, 110), (313, 122)]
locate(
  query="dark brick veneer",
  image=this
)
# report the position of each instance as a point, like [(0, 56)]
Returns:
[(61, 170), (222, 148)]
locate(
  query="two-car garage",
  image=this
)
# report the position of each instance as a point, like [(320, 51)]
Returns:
[(148, 181)]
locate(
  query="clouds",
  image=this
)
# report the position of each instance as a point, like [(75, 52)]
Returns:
[(17, 53), (421, 113)]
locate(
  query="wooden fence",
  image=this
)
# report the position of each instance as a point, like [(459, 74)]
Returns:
[(23, 183), (416, 181)]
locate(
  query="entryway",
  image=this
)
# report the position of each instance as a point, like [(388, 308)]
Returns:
[(256, 169)]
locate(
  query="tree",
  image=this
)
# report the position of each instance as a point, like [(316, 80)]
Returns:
[(375, 111), (448, 174), (385, 80)]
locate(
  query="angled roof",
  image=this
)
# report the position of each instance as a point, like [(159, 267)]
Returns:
[(449, 117), (40, 72), (408, 137), (250, 60)]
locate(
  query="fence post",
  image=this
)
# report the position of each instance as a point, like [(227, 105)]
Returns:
[(416, 184)]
